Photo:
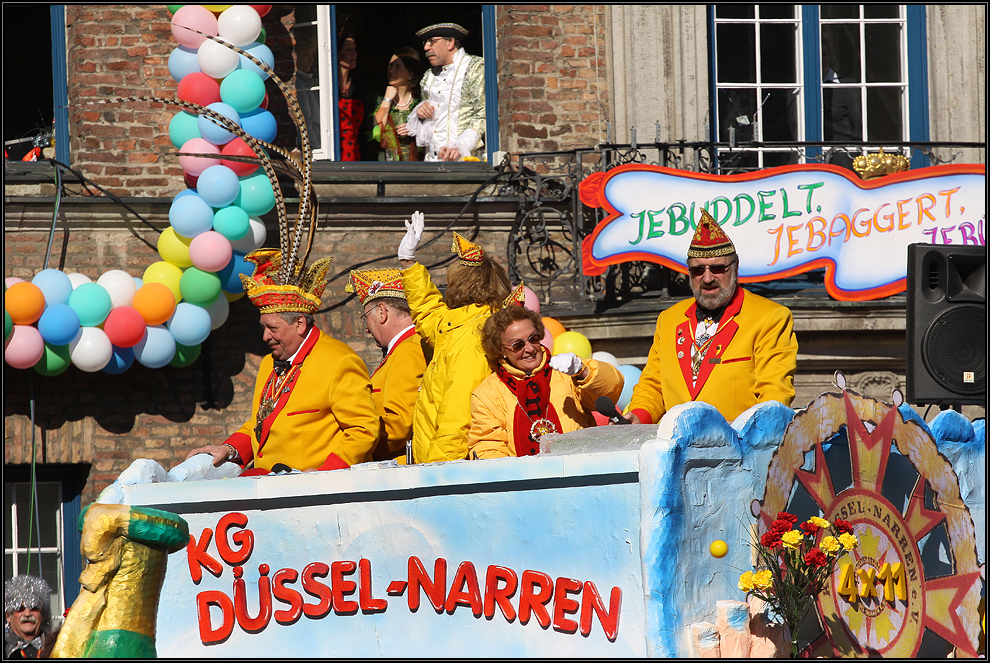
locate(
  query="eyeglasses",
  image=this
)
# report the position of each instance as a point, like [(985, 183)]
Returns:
[(516, 346), (364, 316), (699, 270), (429, 42)]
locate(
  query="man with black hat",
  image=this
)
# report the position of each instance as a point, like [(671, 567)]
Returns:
[(450, 123), (726, 346)]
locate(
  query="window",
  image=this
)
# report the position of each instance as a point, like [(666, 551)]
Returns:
[(378, 30), (32, 539), (842, 73)]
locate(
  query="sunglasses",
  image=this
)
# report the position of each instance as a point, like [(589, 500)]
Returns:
[(699, 270), (516, 346)]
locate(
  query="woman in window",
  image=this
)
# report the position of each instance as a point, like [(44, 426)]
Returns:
[(401, 96), (350, 104), (531, 393)]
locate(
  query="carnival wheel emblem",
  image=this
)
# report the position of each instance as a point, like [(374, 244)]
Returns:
[(912, 586)]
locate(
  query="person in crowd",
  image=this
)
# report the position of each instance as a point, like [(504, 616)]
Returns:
[(451, 323), (395, 383), (350, 103), (725, 346), (531, 393), (312, 406), (307, 77), (450, 123), (27, 606), (401, 96)]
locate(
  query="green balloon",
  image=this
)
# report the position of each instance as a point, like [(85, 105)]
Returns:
[(8, 326), (185, 355), (174, 8), (199, 287), (263, 36), (184, 126), (55, 360)]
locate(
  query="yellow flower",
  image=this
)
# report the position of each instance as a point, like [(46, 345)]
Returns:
[(821, 522), (848, 541), (792, 539), (746, 581), (762, 579), (830, 545)]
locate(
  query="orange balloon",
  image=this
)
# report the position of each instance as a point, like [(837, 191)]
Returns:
[(155, 302), (554, 326), (24, 302)]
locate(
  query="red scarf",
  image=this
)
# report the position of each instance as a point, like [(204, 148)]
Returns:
[(533, 397)]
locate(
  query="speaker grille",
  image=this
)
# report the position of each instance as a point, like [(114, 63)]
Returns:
[(955, 344)]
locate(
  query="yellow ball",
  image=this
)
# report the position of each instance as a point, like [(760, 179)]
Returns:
[(718, 548), (174, 248), (572, 341)]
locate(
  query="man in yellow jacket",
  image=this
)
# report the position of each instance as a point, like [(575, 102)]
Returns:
[(395, 383), (726, 346), (312, 406), (451, 324)]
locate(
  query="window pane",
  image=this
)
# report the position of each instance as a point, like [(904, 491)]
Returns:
[(49, 503), (736, 56), (8, 515), (881, 11), (883, 53), (839, 11), (739, 161), (307, 80), (779, 114), (777, 11), (772, 159), (884, 120), (46, 515), (842, 112), (730, 10), (778, 46), (840, 47), (735, 110)]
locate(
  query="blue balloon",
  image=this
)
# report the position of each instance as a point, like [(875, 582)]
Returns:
[(213, 132), (138, 282), (218, 186), (260, 124), (230, 280), (156, 348), (54, 285), (120, 361), (261, 52), (183, 62), (256, 196), (190, 215), (631, 375), (184, 192), (59, 324), (190, 324)]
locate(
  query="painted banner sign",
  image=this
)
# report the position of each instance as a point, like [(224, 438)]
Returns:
[(788, 220)]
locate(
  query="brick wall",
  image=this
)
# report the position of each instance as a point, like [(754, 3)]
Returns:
[(553, 82)]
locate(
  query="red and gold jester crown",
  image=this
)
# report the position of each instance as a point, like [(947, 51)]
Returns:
[(372, 284), (709, 240), (469, 252), (517, 296), (265, 290)]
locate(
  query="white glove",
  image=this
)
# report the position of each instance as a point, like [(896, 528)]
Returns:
[(567, 363), (414, 230)]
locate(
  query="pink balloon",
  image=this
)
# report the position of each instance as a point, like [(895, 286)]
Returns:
[(196, 17), (532, 301), (547, 339), (25, 347), (11, 280), (210, 251), (196, 165)]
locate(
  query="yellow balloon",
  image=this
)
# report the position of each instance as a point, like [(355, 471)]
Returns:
[(216, 9), (167, 274), (572, 341), (233, 296), (174, 248), (718, 548)]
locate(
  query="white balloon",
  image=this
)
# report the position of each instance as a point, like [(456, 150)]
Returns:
[(216, 60), (239, 24), (218, 310), (120, 285), (91, 350), (78, 279), (606, 357), (254, 239)]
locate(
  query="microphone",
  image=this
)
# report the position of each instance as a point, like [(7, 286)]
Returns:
[(606, 407)]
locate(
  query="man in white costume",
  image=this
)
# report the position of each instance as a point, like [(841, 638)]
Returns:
[(450, 122)]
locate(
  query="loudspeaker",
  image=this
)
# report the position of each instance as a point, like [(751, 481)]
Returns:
[(946, 324)]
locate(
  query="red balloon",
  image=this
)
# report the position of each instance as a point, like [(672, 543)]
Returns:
[(238, 148), (191, 180), (124, 326), (261, 9), (198, 88), (264, 102)]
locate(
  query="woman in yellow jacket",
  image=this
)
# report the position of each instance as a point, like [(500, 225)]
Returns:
[(532, 393), (476, 286)]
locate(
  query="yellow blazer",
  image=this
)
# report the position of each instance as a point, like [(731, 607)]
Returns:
[(394, 388), (326, 416), (442, 416), (752, 359)]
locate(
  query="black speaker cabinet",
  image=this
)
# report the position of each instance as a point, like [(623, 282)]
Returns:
[(946, 324)]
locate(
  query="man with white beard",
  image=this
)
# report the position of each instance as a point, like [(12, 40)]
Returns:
[(726, 346)]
